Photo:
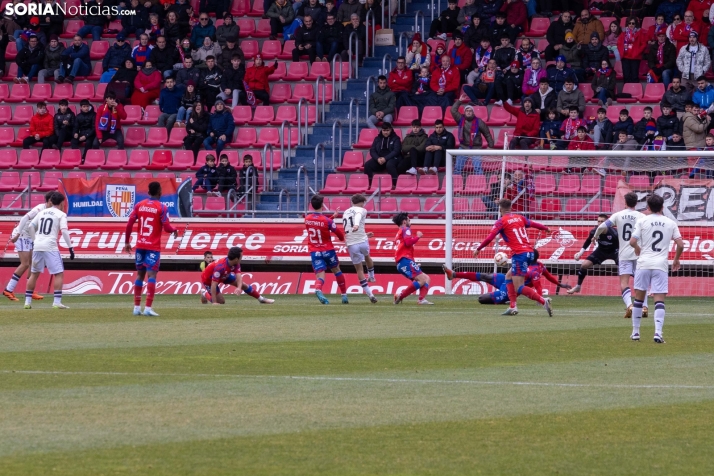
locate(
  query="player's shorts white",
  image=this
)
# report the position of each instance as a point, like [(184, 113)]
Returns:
[(50, 259), (627, 266), (655, 280), (23, 244), (358, 251)]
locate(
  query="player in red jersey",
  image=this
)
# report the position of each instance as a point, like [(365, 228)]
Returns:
[(153, 217), (227, 271), (322, 252), (404, 257), (512, 228)]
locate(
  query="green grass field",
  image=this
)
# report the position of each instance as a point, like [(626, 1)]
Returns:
[(302, 389)]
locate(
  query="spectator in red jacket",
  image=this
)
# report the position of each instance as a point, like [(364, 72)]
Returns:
[(42, 129), (461, 55), (400, 79), (516, 18), (631, 45), (527, 124), (147, 85), (445, 81), (108, 125), (583, 142), (257, 78)]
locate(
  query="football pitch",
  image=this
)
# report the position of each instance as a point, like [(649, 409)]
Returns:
[(297, 388)]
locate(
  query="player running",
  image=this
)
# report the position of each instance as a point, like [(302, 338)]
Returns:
[(322, 251), (498, 281), (45, 230), (227, 271), (357, 241), (404, 257), (23, 245), (153, 216), (607, 248), (512, 228), (624, 222), (651, 241)]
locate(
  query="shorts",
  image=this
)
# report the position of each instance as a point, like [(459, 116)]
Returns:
[(322, 260), (408, 268), (358, 251), (520, 263), (230, 279), (49, 259), (597, 256), (655, 280), (147, 260), (628, 266), (23, 244)]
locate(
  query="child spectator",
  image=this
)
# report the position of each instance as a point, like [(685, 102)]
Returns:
[(550, 130), (676, 143), (582, 142), (610, 41), (602, 130), (569, 128), (624, 123), (189, 98), (108, 125), (207, 259), (246, 174), (41, 129), (84, 129), (226, 175), (207, 176), (668, 123), (63, 124), (646, 127), (625, 142), (603, 84)]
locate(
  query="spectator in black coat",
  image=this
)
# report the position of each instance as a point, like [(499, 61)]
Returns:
[(95, 22), (207, 175), (556, 35), (594, 54), (447, 22), (668, 123), (84, 127), (52, 24), (163, 56), (29, 60), (386, 153), (136, 23), (64, 124), (232, 87), (354, 27), (227, 175), (544, 99), (329, 40), (306, 40), (436, 146), (246, 174), (196, 130)]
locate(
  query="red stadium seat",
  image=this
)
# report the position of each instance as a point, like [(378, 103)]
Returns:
[(280, 93), (99, 92), (72, 28), (11, 51), (500, 117), (587, 90), (138, 159), (575, 205), (271, 49), (116, 159), (156, 137), (96, 73), (381, 181), (406, 115), (49, 159), (430, 115), (122, 175), (242, 114), (271, 135), (36, 199), (28, 159), (79, 175), (197, 203), (366, 137), (288, 48), (323, 89), (639, 182), (8, 158), (84, 91), (246, 25), (5, 114), (302, 91), (63, 91), (250, 48), (427, 184), (601, 205), (50, 181), (176, 137), (435, 205), (550, 206), (410, 205), (502, 137), (406, 185), (19, 93), (134, 136), (262, 29), (95, 175), (143, 175), (94, 160), (257, 9), (183, 160), (297, 72), (166, 175), (476, 184), (258, 161), (151, 116), (544, 184), (343, 71), (342, 203), (287, 113), (317, 69), (214, 204), (29, 181), (41, 92), (98, 49), (590, 184), (12, 201), (10, 74), (352, 162), (635, 89), (569, 185), (70, 159), (262, 116), (358, 183), (9, 181), (653, 93), (160, 160), (335, 183), (388, 205), (477, 205), (21, 134), (133, 114), (539, 27), (246, 137)]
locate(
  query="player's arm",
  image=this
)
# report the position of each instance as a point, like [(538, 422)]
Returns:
[(549, 276), (534, 224), (602, 228), (339, 233), (129, 226), (497, 228), (64, 229), (586, 245), (357, 220), (168, 228), (214, 291), (24, 221), (634, 240), (677, 237), (34, 225)]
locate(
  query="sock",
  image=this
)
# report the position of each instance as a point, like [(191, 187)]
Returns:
[(423, 291), (28, 296), (58, 298), (410, 289), (138, 288), (512, 294), (250, 291), (627, 297), (581, 275), (469, 276), (13, 282), (365, 286), (659, 317), (636, 316), (150, 290), (340, 278), (644, 303), (531, 294), (370, 272), (319, 283)]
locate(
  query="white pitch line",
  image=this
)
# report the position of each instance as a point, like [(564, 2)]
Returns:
[(369, 379)]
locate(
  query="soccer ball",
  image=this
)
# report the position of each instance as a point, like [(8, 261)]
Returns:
[(500, 258)]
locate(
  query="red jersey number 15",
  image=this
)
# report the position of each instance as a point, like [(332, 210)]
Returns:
[(145, 226)]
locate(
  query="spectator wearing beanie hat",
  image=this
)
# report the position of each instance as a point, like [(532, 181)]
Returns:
[(22, 35), (115, 57), (512, 84), (229, 29), (558, 75), (461, 55), (572, 52)]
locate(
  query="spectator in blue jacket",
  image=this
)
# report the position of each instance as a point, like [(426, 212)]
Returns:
[(204, 29), (169, 102), (558, 75), (207, 176), (220, 128), (704, 94), (76, 60), (115, 57)]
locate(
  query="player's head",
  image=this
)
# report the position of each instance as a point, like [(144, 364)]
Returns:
[(234, 255), (359, 200), (48, 197), (208, 256), (485, 299), (536, 255), (601, 218), (401, 219), (155, 190), (505, 205), (631, 199), (655, 203), (56, 199), (316, 201)]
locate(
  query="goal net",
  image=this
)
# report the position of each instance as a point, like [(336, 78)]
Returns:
[(567, 193)]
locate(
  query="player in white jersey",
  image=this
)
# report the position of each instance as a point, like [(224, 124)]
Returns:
[(46, 228), (624, 221), (651, 239), (357, 241), (23, 245)]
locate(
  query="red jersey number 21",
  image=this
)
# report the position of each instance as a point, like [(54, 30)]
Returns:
[(521, 235), (315, 236)]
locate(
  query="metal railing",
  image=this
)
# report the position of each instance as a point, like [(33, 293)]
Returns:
[(233, 198), (389, 15), (384, 69), (436, 5), (370, 38), (320, 112), (268, 179), (303, 103), (284, 192), (405, 35), (306, 190), (349, 51), (319, 147), (335, 94), (354, 118), (367, 93), (285, 159), (339, 155), (419, 14)]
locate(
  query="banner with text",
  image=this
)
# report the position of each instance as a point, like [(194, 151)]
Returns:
[(685, 200)]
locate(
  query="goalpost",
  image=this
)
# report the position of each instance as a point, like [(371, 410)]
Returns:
[(567, 192)]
